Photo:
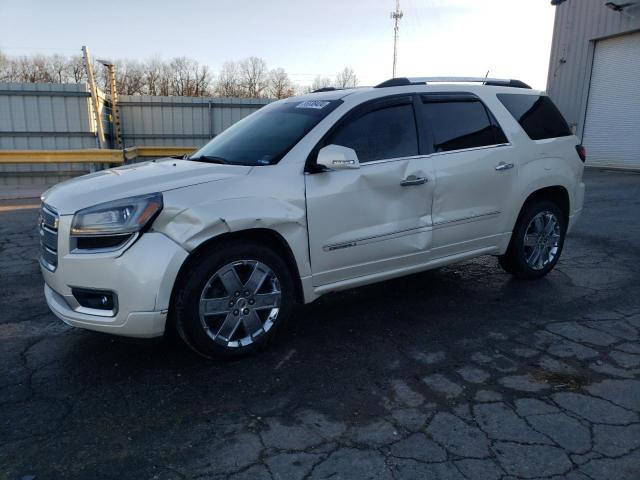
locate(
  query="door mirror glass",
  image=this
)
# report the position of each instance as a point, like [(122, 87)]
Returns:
[(336, 157)]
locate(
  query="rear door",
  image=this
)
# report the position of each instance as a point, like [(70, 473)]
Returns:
[(378, 217), (474, 168)]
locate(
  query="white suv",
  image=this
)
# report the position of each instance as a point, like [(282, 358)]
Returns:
[(307, 196)]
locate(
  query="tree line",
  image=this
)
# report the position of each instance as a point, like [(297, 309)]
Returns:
[(180, 76)]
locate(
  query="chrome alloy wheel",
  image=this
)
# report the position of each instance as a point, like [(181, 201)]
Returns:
[(541, 240), (240, 302)]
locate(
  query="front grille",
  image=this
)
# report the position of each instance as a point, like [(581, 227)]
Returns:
[(48, 228)]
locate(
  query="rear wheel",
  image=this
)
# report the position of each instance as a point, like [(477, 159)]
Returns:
[(536, 242), (234, 300)]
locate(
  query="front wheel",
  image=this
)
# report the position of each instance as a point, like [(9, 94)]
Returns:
[(233, 300), (536, 242)]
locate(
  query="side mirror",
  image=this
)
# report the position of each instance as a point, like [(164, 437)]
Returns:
[(335, 157)]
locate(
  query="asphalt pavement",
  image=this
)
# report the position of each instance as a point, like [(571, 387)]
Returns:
[(456, 373)]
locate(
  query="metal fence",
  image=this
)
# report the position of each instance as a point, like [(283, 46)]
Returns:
[(59, 117), (171, 121), (46, 117)]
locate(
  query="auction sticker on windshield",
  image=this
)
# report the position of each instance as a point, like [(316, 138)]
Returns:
[(317, 104)]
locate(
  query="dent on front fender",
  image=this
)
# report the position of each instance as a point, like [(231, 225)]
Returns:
[(193, 226)]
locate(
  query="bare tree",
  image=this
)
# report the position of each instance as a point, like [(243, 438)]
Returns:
[(228, 84), (157, 77), (58, 67), (254, 77), (153, 76), (130, 77), (280, 85), (33, 69), (189, 78), (182, 76), (346, 78), (8, 71), (319, 82), (76, 69)]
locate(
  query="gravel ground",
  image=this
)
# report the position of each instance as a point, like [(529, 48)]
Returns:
[(457, 373)]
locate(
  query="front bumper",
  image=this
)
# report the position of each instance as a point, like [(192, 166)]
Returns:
[(135, 324), (142, 277)]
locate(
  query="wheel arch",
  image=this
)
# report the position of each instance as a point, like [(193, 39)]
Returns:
[(263, 236), (558, 194)]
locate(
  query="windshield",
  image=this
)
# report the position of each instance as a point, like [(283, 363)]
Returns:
[(266, 136)]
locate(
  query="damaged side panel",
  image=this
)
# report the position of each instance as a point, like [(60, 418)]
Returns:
[(274, 202), (364, 221)]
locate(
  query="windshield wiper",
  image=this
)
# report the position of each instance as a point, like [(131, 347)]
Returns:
[(210, 159)]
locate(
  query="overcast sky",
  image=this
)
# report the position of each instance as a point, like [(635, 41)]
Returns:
[(511, 38)]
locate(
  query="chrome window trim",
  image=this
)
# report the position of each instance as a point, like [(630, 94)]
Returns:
[(483, 147), (428, 155), (395, 159)]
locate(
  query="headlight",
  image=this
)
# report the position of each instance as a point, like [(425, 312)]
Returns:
[(120, 217)]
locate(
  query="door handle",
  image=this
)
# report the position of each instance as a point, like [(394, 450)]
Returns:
[(504, 166), (413, 180)]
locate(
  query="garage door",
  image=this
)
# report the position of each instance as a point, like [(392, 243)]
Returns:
[(612, 124)]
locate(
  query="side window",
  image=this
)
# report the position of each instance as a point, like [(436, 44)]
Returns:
[(456, 125), (537, 115), (388, 132)]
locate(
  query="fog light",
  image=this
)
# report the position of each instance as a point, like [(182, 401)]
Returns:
[(96, 299)]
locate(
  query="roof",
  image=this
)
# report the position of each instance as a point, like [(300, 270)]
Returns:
[(425, 84)]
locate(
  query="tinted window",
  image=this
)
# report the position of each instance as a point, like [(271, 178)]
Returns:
[(264, 137), (537, 115), (456, 125), (388, 132)]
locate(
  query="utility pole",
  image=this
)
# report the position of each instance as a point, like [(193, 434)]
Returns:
[(94, 97), (396, 16), (115, 109)]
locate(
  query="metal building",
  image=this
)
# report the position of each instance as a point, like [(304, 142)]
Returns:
[(594, 77)]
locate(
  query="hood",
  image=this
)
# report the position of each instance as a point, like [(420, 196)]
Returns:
[(136, 179)]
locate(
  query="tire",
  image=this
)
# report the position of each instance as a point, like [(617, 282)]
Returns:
[(233, 299), (537, 240)]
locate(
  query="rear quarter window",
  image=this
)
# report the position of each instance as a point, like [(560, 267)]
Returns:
[(536, 114)]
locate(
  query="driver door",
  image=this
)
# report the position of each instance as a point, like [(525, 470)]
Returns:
[(377, 217)]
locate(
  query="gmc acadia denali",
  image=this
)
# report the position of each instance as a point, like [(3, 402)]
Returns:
[(310, 195)]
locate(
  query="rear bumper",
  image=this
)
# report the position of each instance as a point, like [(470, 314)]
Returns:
[(573, 219), (578, 202)]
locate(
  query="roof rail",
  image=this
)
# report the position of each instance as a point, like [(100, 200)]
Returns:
[(496, 82), (326, 89)]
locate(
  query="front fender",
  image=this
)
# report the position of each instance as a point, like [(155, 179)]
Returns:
[(195, 225)]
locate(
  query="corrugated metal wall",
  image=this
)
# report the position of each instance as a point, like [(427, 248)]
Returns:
[(169, 121), (578, 24), (58, 116), (37, 116)]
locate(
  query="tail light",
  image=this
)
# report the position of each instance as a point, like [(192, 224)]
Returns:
[(582, 153)]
